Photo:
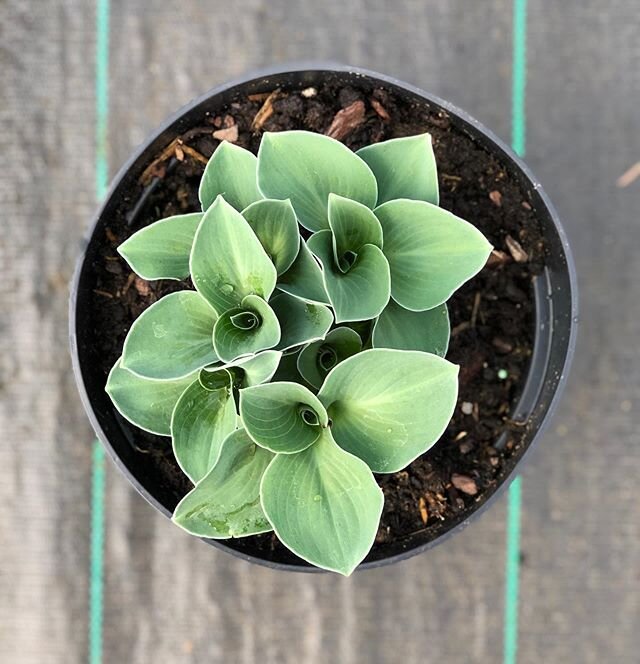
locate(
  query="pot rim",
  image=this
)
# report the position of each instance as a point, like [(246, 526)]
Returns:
[(500, 146)]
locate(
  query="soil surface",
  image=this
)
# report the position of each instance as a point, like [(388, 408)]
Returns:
[(491, 316)]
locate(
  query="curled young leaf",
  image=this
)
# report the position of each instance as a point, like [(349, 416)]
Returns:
[(146, 402), (248, 371), (390, 406), (282, 417), (201, 420), (404, 168), (227, 260), (274, 223), (246, 330), (231, 173), (431, 252), (427, 331), (306, 168), (317, 359), (304, 278), (361, 292), (226, 503), (301, 322), (172, 338), (161, 250), (353, 226), (324, 505)]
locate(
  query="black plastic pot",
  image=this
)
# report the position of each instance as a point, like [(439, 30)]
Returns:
[(555, 296)]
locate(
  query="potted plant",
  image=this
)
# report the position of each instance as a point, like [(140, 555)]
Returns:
[(260, 319)]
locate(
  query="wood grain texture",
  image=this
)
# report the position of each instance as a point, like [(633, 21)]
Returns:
[(170, 598)]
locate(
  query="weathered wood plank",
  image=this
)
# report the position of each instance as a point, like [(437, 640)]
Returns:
[(46, 197), (581, 532), (208, 605)]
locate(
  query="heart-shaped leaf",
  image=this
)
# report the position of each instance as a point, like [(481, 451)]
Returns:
[(300, 322), (231, 172), (227, 260), (360, 293), (404, 168), (201, 420), (275, 224), (353, 225), (431, 252), (226, 503), (317, 359), (172, 338), (324, 505), (402, 329), (282, 417), (307, 167), (146, 402), (161, 250), (390, 406), (246, 330), (304, 278)]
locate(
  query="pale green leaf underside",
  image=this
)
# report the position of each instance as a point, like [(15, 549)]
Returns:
[(431, 252), (399, 328), (324, 505), (363, 291), (338, 345), (275, 224), (201, 420), (231, 342), (146, 402), (231, 173), (300, 322), (390, 406), (304, 278), (353, 225), (172, 338), (226, 503), (404, 168), (161, 250), (256, 369), (227, 260), (307, 167), (272, 414)]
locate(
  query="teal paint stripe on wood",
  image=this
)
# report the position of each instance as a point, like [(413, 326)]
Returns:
[(96, 581)]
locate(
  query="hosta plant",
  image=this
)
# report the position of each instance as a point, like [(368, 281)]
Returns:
[(310, 353)]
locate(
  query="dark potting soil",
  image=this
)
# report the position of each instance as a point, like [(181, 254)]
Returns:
[(491, 316)]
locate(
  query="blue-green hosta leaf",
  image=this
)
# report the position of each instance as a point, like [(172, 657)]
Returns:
[(317, 359), (282, 417), (306, 168), (172, 338), (227, 260), (353, 225), (258, 368), (231, 173), (431, 252), (390, 406), (146, 402), (226, 503), (324, 505), (246, 330), (300, 322), (402, 329), (201, 420), (304, 278), (404, 168), (161, 250), (275, 224), (360, 293)]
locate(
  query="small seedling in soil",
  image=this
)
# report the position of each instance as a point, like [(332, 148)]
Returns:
[(311, 353)]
